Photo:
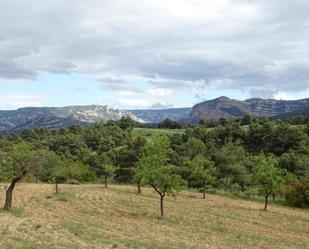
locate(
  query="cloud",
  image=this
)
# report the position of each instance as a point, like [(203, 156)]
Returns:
[(159, 105), (158, 93), (284, 96), (262, 93), (17, 101), (171, 84), (135, 102), (117, 84), (150, 98), (140, 103), (177, 45)]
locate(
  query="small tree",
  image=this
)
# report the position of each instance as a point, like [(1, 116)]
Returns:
[(138, 178), (70, 170), (267, 176), (104, 167), (203, 172), (297, 192), (153, 169), (137, 147), (19, 160), (247, 119), (57, 176), (109, 171), (127, 158)]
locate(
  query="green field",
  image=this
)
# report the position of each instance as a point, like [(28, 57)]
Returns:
[(148, 132)]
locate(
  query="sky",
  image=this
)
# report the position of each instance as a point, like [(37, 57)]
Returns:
[(135, 54)]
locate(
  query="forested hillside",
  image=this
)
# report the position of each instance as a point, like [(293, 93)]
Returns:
[(228, 172), (248, 156)]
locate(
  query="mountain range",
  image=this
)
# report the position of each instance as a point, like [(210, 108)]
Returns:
[(222, 107), (56, 117), (157, 115)]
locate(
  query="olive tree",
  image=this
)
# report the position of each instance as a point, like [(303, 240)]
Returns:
[(68, 170), (105, 167), (137, 147), (109, 171), (19, 160), (203, 172), (154, 169), (267, 177)]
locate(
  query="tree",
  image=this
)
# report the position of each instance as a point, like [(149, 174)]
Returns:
[(295, 163), (307, 129), (154, 169), (247, 119), (203, 172), (109, 172), (127, 158), (68, 171), (105, 167), (20, 159), (58, 175), (230, 160), (193, 147), (170, 124), (267, 176), (297, 192)]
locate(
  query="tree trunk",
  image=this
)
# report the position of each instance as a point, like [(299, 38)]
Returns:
[(306, 201), (274, 196), (139, 190), (9, 192), (57, 190), (204, 192), (161, 205), (266, 202), (105, 181), (162, 194), (9, 197)]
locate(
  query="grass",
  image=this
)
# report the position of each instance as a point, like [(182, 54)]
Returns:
[(90, 216), (148, 132), (62, 196), (14, 211)]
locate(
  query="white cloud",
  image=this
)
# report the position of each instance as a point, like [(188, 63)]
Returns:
[(284, 96), (126, 93), (158, 93), (17, 101), (175, 44), (161, 105), (135, 102), (150, 98), (141, 103)]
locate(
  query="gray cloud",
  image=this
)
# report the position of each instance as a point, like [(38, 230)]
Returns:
[(159, 105), (262, 93), (117, 84), (235, 44)]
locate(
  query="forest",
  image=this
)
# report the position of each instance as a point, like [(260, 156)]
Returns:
[(249, 157)]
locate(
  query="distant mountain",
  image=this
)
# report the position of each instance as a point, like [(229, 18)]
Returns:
[(224, 107), (49, 122), (56, 117), (299, 113), (157, 115)]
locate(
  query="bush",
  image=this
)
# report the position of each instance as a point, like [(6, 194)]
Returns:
[(73, 181), (297, 193), (170, 124)]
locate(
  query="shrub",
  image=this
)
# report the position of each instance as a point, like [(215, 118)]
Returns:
[(73, 181), (297, 193)]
